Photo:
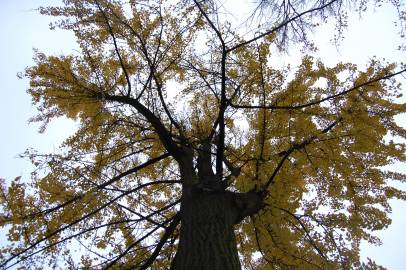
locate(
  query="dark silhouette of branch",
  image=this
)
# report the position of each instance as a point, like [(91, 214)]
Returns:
[(284, 250), (134, 170), (152, 63), (283, 24), (67, 226), (142, 217), (127, 77), (163, 133), (212, 26), (263, 132), (303, 226), (199, 72), (101, 186), (315, 102), (260, 247), (292, 149), (71, 237), (168, 232), (223, 98), (175, 217)]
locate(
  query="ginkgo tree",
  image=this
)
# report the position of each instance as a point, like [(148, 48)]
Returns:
[(193, 151)]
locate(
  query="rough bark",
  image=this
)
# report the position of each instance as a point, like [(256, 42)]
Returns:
[(207, 239)]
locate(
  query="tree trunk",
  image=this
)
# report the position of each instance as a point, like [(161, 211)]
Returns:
[(207, 240)]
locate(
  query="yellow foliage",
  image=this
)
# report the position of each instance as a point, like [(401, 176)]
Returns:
[(147, 96)]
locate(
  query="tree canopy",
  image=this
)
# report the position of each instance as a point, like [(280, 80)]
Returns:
[(179, 104)]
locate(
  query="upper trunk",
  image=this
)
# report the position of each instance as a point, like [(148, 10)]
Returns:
[(207, 240)]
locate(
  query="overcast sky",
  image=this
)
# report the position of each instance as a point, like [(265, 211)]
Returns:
[(23, 29)]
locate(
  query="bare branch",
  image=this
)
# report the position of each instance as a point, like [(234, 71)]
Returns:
[(283, 24)]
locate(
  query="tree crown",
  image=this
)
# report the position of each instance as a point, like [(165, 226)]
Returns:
[(171, 97)]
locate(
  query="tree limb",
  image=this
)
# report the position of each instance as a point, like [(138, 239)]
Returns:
[(61, 229), (284, 23), (315, 102), (168, 232), (127, 77), (163, 133), (139, 241), (292, 149)]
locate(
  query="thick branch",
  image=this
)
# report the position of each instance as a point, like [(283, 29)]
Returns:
[(204, 165), (162, 132), (223, 99), (248, 204)]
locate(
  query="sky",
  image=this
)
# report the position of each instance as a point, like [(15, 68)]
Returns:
[(24, 29)]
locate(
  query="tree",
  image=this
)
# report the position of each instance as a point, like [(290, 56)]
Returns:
[(190, 142)]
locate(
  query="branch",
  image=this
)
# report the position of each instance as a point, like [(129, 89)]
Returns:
[(259, 246), (264, 120), (235, 171), (142, 217), (210, 23), (306, 232), (127, 77), (223, 99), (292, 149), (283, 24), (138, 241), (98, 187), (163, 133), (223, 106), (61, 229), (168, 232), (287, 252), (151, 64), (72, 236), (133, 170), (161, 98), (199, 71), (315, 102)]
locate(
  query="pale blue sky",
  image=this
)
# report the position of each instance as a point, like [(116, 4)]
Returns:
[(24, 29)]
